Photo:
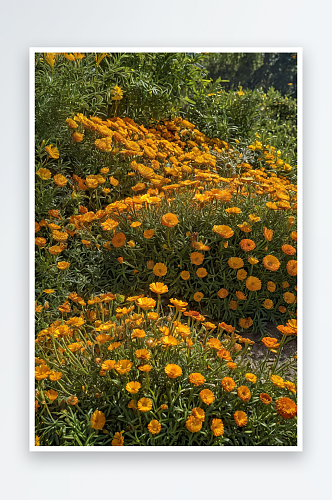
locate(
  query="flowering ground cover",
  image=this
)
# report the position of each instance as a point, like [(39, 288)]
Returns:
[(159, 246)]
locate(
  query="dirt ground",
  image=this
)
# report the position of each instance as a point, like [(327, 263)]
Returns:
[(258, 351)]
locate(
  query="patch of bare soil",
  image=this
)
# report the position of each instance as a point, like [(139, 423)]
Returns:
[(258, 351)]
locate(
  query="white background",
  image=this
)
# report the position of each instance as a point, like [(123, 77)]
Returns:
[(155, 24)]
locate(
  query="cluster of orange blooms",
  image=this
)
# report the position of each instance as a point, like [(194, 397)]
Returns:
[(107, 327)]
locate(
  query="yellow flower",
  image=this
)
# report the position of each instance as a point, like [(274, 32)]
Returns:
[(98, 420), (52, 151), (116, 93), (118, 439), (268, 304), (44, 173), (228, 384), (60, 180)]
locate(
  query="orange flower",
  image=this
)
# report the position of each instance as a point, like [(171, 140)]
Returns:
[(214, 343), (72, 400), (268, 233), (245, 227), (77, 137), (268, 304), (60, 180), (251, 378), (159, 269), (288, 249), (271, 286), (241, 296), (245, 323), (154, 427), (228, 384), (235, 263), (144, 404), (240, 418), (198, 296), (196, 258), (114, 182), (277, 381), (294, 235), (271, 263), (145, 368), (118, 240), (173, 371), (194, 424), (233, 305), (207, 396), (231, 365), (244, 393), (52, 151), (148, 234), (51, 394), (253, 284), (146, 303), (265, 398), (63, 265), (120, 260), (222, 293), (44, 173), (286, 408), (253, 261), (289, 297), (223, 231), (54, 376), (217, 427), (292, 267), (108, 365), (228, 328), (196, 379), (179, 304), (282, 309), (201, 272), (133, 387), (41, 372), (233, 210), (247, 245), (98, 420), (40, 242), (270, 342), (224, 354), (158, 288), (241, 274), (185, 275), (123, 366), (169, 220), (118, 439)]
